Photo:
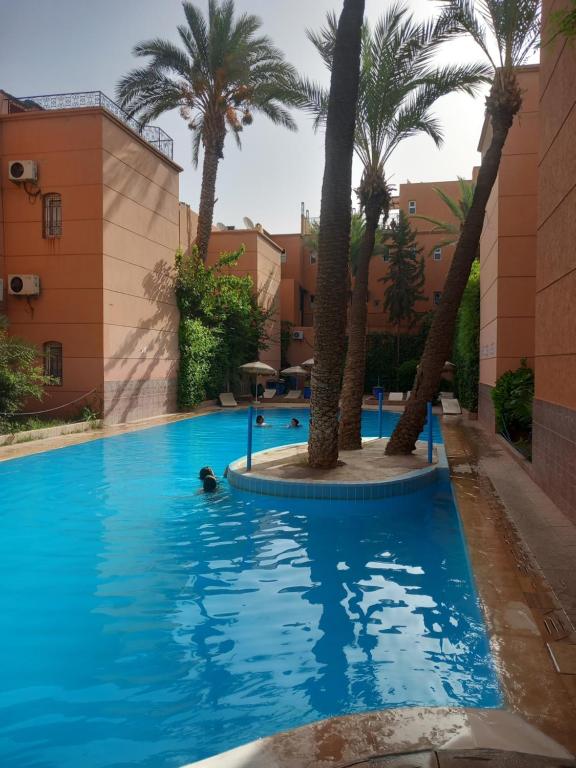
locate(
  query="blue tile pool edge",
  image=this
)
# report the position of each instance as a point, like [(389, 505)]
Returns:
[(409, 482)]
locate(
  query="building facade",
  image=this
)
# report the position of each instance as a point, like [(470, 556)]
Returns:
[(98, 227)]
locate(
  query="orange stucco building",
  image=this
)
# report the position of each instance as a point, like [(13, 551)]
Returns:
[(299, 266), (508, 250), (98, 227)]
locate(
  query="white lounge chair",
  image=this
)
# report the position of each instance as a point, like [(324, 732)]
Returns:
[(395, 397), (268, 394), (227, 400), (442, 395), (450, 406), (293, 394)]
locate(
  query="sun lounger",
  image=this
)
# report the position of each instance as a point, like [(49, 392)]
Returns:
[(450, 406), (293, 394), (442, 395), (269, 394), (395, 397), (227, 400)]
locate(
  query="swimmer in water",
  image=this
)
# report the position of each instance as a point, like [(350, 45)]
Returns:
[(294, 424), (260, 421)]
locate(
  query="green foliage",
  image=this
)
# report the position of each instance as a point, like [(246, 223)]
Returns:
[(564, 22), (466, 342), (382, 368), (222, 326), (21, 374), (406, 375), (405, 278), (357, 228), (513, 396)]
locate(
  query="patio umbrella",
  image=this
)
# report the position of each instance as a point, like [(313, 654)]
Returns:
[(257, 369), (294, 370), (308, 363)]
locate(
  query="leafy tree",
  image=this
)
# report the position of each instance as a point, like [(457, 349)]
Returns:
[(357, 230), (458, 207), (222, 325), (21, 374), (506, 31), (223, 73), (405, 278), (334, 239), (399, 85)]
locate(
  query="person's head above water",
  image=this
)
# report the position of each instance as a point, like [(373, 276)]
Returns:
[(294, 422), (205, 471), (209, 483), (260, 419)]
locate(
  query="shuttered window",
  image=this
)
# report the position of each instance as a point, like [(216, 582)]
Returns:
[(52, 212)]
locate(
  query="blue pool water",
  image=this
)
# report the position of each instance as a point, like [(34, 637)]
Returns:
[(145, 624)]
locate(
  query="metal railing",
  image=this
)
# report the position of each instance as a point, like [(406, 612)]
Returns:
[(150, 133)]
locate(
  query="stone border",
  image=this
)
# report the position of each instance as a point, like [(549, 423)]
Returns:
[(43, 433), (406, 483)]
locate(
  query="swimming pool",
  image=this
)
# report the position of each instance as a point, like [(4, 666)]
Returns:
[(145, 624)]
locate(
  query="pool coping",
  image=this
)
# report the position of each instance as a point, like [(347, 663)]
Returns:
[(405, 483)]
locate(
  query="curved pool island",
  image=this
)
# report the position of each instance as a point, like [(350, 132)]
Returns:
[(360, 475)]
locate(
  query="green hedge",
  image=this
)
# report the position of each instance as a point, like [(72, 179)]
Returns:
[(384, 368), (467, 344), (198, 345)]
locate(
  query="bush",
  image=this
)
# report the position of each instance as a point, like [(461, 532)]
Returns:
[(467, 343), (21, 375), (513, 397), (406, 375), (197, 347), (381, 366)]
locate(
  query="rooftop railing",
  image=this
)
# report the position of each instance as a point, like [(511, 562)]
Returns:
[(154, 135)]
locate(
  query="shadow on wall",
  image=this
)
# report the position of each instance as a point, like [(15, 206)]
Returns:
[(158, 285)]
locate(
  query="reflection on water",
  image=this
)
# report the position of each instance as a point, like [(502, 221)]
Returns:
[(150, 625)]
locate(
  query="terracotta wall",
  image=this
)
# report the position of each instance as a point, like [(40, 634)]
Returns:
[(69, 310), (261, 262), (140, 238), (188, 225), (554, 428), (105, 283), (508, 250)]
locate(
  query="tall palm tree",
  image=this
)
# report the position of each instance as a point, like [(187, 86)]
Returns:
[(399, 84), (223, 72), (334, 239), (506, 31), (459, 208)]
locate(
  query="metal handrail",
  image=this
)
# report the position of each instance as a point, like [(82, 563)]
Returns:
[(153, 134)]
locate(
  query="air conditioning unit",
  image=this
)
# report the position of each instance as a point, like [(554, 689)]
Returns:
[(22, 170), (298, 335), (23, 285)]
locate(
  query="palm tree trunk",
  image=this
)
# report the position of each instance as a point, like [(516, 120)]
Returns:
[(334, 240), (212, 154), (354, 372), (440, 338)]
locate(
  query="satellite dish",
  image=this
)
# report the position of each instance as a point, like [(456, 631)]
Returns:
[(248, 223), (220, 226)]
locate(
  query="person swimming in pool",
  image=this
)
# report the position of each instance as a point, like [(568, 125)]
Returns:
[(294, 423), (260, 421), (208, 479)]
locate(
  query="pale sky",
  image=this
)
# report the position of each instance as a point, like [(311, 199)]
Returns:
[(58, 46)]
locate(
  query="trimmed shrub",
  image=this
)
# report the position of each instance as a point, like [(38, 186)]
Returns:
[(406, 375), (467, 343), (513, 397), (198, 345)]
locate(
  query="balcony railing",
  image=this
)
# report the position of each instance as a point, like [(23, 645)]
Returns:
[(151, 133)]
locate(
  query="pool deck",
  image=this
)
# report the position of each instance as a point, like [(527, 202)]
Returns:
[(522, 550)]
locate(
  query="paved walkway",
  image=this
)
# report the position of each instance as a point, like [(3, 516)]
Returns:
[(545, 530)]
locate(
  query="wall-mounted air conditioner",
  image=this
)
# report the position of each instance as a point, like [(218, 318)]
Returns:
[(23, 285), (22, 170), (298, 335)]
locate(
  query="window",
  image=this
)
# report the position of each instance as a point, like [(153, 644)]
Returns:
[(437, 297), (437, 254), (52, 215), (411, 206), (312, 299), (313, 257), (53, 361)]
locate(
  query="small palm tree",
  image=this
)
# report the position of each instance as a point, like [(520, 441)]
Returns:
[(399, 84), (223, 72), (459, 210), (506, 31), (334, 239)]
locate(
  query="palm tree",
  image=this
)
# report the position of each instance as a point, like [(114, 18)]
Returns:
[(223, 72), (459, 210), (357, 230), (506, 32), (334, 238), (399, 84)]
